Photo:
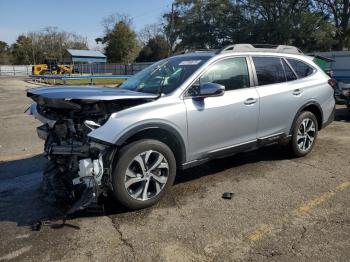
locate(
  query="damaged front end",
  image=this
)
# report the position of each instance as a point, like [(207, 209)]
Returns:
[(79, 168)]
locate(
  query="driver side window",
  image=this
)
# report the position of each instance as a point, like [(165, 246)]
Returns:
[(231, 73)]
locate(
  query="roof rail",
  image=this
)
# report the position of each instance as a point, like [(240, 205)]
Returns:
[(260, 48), (194, 51)]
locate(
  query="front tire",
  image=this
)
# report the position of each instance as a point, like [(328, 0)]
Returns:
[(304, 134), (144, 171)]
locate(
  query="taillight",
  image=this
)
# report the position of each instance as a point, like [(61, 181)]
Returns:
[(332, 82)]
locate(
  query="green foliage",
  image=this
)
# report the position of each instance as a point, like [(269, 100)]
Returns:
[(21, 51), (35, 47), (156, 49), (308, 24), (311, 25), (338, 13), (121, 44), (4, 53), (3, 47)]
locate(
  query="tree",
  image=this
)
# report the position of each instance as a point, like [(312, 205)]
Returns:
[(172, 26), (338, 12), (156, 49), (291, 22), (148, 32), (119, 39), (35, 47), (108, 23), (196, 24), (4, 53), (121, 44), (22, 50), (51, 43), (205, 24)]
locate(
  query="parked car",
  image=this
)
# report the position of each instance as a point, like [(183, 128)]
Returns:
[(178, 113), (342, 93)]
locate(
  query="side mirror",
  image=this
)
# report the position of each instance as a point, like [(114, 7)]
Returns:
[(211, 89)]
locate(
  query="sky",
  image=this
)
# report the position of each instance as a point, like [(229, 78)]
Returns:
[(78, 16)]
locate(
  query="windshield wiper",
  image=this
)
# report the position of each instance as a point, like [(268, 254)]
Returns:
[(161, 86)]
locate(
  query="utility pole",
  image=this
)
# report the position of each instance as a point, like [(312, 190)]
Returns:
[(171, 30)]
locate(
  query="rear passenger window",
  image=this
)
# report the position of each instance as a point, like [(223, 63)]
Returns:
[(302, 69), (289, 72), (269, 70)]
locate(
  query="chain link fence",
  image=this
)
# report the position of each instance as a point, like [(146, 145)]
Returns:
[(16, 70), (92, 69), (115, 69)]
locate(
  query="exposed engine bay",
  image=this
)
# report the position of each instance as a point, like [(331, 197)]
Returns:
[(78, 171)]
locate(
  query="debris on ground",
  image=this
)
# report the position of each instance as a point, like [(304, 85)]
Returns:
[(36, 226), (227, 195)]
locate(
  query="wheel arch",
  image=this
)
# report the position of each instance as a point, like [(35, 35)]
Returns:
[(162, 132), (313, 107)]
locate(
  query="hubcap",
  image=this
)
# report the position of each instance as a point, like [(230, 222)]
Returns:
[(146, 175), (306, 134)]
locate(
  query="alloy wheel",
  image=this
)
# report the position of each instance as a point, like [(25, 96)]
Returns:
[(306, 134), (146, 175)]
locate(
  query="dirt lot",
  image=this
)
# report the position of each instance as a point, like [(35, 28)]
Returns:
[(282, 210)]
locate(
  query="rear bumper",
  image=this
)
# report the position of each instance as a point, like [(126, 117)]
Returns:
[(330, 119)]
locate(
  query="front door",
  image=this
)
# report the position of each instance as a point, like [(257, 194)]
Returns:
[(219, 123)]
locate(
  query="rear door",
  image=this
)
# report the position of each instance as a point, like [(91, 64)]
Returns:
[(280, 98), (219, 123)]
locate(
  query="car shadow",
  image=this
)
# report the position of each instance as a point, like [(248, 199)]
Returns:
[(342, 114), (271, 153), (22, 202)]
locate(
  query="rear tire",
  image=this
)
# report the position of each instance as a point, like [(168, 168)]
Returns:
[(144, 171), (304, 134)]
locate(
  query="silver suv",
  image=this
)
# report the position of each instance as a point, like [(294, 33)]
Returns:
[(175, 114)]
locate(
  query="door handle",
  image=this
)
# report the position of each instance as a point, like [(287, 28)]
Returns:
[(250, 101), (297, 92)]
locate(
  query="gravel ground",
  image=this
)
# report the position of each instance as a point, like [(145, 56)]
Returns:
[(282, 210)]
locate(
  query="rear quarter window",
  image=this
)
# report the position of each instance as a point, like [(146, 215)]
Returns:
[(301, 68)]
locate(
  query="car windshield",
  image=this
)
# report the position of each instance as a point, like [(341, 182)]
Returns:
[(164, 76)]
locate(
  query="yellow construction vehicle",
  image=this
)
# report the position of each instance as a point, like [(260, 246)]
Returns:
[(50, 67)]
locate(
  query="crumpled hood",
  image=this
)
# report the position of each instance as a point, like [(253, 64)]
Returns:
[(87, 93)]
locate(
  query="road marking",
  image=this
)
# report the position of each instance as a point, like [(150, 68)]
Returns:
[(23, 236), (320, 199), (16, 253), (343, 186), (314, 202), (266, 229), (260, 232)]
